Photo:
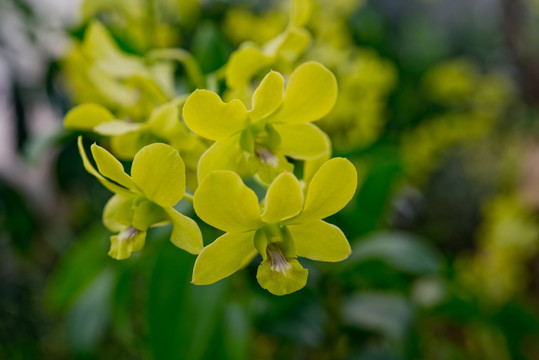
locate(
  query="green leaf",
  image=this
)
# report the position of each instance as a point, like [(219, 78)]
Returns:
[(86, 117), (223, 201), (284, 199), (159, 173), (77, 268), (207, 115), (390, 314), (320, 241), (403, 251), (182, 318), (87, 319), (223, 257)]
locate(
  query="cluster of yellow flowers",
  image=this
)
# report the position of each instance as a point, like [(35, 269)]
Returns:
[(199, 146)]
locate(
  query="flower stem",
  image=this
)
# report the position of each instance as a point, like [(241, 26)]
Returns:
[(188, 197)]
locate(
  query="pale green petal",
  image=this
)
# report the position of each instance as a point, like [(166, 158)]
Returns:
[(185, 232), (310, 167), (289, 45), (268, 96), (109, 213), (222, 155), (124, 211), (223, 201), (159, 173), (301, 12), (147, 214), (110, 167), (282, 283), (99, 45), (116, 127), (223, 257), (126, 146), (266, 172), (302, 141), (330, 190), (86, 117), (284, 199), (106, 183), (320, 241), (165, 122), (310, 94), (243, 65), (207, 115), (122, 249)]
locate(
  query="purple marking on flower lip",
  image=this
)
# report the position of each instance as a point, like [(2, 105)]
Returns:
[(130, 233), (279, 262), (266, 156)]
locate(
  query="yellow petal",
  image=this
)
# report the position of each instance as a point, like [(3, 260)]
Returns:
[(185, 232), (207, 115), (222, 155), (147, 213), (301, 12), (284, 199), (86, 117), (110, 167), (320, 241), (289, 45), (105, 182), (268, 96), (223, 201), (310, 94), (302, 141), (121, 248), (116, 127), (125, 146), (109, 213), (330, 190), (158, 171), (282, 283), (223, 257), (243, 65)]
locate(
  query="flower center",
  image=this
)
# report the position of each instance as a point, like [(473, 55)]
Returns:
[(277, 258), (266, 156), (130, 233)]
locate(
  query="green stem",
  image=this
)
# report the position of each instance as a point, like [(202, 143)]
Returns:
[(188, 197)]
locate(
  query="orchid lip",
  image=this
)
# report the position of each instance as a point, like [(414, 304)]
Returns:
[(267, 157), (129, 233), (279, 262)]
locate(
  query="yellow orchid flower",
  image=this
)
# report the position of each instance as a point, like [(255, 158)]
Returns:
[(289, 225), (144, 199), (278, 124)]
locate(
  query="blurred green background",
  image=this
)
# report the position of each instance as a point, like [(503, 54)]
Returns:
[(438, 109)]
